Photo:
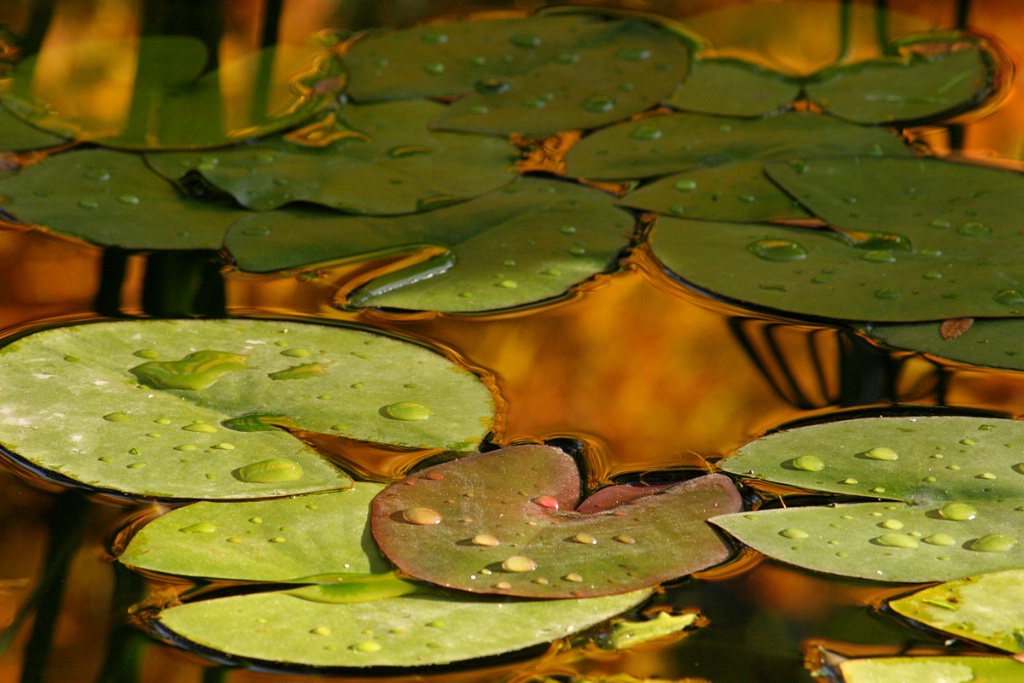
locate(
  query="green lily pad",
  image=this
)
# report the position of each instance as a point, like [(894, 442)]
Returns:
[(732, 87), (406, 631), (737, 191), (670, 143), (527, 242), (16, 135), (534, 76), (112, 198), (276, 540), (992, 343), (958, 482), (172, 408), (988, 608), (384, 161), (932, 670), (173, 102), (505, 523), (927, 79)]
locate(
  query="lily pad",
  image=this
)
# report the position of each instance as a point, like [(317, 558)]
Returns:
[(504, 523), (415, 630), (16, 135), (927, 79), (173, 408), (733, 87), (932, 670), (954, 484), (383, 160), (533, 76), (988, 608), (992, 343), (670, 143), (277, 540), (526, 242), (112, 198), (172, 101)]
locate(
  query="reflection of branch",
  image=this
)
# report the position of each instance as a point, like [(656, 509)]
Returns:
[(963, 14)]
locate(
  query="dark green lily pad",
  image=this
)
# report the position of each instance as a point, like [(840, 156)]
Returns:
[(174, 103), (415, 630), (384, 161), (932, 670), (992, 343), (988, 608), (527, 242), (533, 76), (732, 87), (276, 540), (927, 79), (959, 482), (737, 191), (505, 523), (113, 199), (16, 135), (670, 143), (140, 407)]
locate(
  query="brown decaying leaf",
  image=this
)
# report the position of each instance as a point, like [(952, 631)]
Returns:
[(954, 327)]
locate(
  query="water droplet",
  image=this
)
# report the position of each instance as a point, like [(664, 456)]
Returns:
[(541, 581), (408, 411), (88, 204), (321, 631), (877, 489), (599, 104), (507, 284), (624, 538), (986, 475), (878, 256), (366, 646), (148, 354), (491, 86), (958, 512), (888, 293), (117, 417), (128, 199), (585, 539), (849, 480), (485, 540), (224, 446), (993, 543), (881, 453), (136, 465), (434, 68), (422, 516), (646, 132), (573, 577), (808, 463), (277, 539), (748, 198), (304, 371), (518, 564), (503, 585), (270, 471), (633, 54), (939, 539), (186, 447), (201, 528), (932, 275), (794, 534), (199, 426), (567, 58), (1009, 297), (685, 185), (295, 353), (549, 502), (777, 250), (974, 229), (897, 541), (525, 40), (892, 524)]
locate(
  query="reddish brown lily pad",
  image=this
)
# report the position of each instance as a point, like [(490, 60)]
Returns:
[(507, 523)]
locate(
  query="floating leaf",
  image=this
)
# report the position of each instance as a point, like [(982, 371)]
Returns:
[(275, 540), (533, 76), (732, 87), (504, 523), (626, 634), (960, 481), (670, 143), (113, 199), (415, 630), (992, 343), (16, 135), (526, 242), (988, 608), (171, 101), (928, 79), (150, 407), (384, 161), (932, 670)]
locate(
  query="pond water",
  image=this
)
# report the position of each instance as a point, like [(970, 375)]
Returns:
[(640, 375)]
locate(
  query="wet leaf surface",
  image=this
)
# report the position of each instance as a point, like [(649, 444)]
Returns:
[(527, 242), (671, 143), (992, 343), (932, 670), (988, 608), (416, 630), (504, 523), (955, 484), (275, 540), (732, 87), (383, 161), (171, 408), (112, 198), (533, 76), (173, 101)]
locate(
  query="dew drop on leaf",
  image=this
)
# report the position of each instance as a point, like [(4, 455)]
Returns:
[(422, 516)]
